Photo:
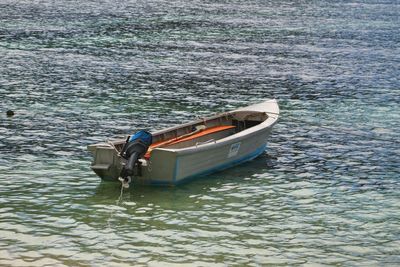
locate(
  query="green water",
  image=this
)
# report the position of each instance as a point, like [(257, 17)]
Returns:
[(325, 192)]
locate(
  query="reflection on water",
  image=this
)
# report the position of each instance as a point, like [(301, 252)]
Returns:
[(325, 191)]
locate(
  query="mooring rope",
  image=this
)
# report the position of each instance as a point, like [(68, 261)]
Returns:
[(120, 195)]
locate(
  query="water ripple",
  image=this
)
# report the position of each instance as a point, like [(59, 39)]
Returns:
[(324, 193)]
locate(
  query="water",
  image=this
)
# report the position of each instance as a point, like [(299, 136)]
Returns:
[(325, 192)]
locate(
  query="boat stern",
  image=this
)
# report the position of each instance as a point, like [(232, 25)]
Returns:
[(106, 162)]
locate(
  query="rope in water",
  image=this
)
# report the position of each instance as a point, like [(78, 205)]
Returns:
[(112, 212), (120, 195)]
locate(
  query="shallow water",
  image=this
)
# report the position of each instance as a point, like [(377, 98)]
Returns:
[(325, 192)]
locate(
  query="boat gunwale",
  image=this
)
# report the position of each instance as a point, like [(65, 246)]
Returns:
[(234, 138)]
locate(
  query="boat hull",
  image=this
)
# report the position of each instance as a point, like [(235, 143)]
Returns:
[(175, 165), (175, 168)]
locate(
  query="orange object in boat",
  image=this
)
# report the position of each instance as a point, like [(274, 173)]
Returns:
[(180, 139)]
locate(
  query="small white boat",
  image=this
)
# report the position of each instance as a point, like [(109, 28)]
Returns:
[(194, 149)]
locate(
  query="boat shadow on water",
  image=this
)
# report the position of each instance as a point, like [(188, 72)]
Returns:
[(236, 174), (240, 174)]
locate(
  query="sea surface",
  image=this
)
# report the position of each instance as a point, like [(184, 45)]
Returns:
[(325, 192)]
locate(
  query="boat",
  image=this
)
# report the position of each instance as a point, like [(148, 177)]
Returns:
[(194, 149)]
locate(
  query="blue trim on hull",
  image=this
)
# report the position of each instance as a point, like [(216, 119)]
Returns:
[(220, 167), (175, 170)]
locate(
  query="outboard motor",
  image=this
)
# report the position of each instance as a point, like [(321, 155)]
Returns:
[(135, 147)]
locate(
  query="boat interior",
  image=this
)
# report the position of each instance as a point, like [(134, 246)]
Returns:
[(203, 131)]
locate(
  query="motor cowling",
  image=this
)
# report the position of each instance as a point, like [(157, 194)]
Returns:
[(135, 148)]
